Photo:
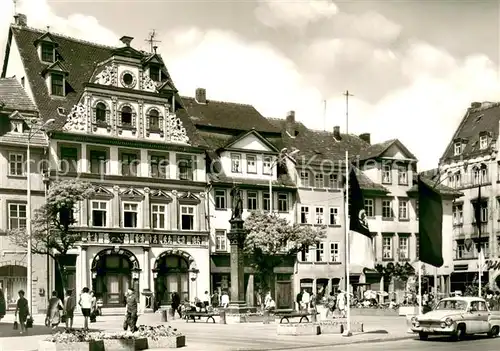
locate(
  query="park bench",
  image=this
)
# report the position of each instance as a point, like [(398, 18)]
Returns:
[(192, 315), (304, 316)]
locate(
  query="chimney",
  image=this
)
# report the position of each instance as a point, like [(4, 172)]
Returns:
[(20, 20), (366, 138), (290, 123), (126, 40), (201, 95), (336, 133), (475, 104)]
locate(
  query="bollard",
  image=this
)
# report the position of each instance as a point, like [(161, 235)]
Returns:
[(266, 317), (164, 316), (313, 315), (222, 317)]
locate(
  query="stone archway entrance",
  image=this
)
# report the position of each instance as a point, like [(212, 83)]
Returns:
[(172, 271), (113, 272)]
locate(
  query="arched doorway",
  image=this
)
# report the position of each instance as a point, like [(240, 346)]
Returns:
[(113, 272), (12, 279), (172, 273)]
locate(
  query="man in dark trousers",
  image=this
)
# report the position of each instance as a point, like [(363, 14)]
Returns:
[(176, 304), (299, 301), (131, 316)]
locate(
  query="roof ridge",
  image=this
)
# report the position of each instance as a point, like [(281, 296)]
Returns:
[(220, 101), (63, 36)]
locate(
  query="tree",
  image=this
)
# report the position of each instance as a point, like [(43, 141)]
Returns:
[(271, 239), (51, 229)]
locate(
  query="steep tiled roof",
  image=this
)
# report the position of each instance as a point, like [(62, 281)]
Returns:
[(81, 59), (320, 145), (476, 120), (441, 188), (13, 96), (283, 181), (367, 184), (229, 115), (376, 150)]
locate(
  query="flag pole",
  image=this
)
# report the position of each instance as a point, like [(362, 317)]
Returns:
[(419, 287), (479, 261), (347, 331)]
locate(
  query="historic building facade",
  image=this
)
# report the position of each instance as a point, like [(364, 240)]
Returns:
[(16, 112), (471, 161), (120, 125)]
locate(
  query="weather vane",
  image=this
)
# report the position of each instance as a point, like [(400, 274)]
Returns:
[(152, 41)]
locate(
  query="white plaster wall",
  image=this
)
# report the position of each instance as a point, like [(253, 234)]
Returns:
[(15, 67)]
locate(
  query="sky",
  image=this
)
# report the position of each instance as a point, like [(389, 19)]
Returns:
[(413, 67)]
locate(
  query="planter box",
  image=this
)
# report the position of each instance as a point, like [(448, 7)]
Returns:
[(168, 342), (299, 329), (97, 345), (374, 312), (356, 327), (408, 310), (125, 344), (331, 327)]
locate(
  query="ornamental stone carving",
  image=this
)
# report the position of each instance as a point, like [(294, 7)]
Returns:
[(77, 119), (148, 84), (109, 76), (174, 130)]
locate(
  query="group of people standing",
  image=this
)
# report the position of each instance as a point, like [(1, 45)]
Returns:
[(64, 311)]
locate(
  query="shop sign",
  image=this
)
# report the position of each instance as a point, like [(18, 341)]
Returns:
[(492, 265)]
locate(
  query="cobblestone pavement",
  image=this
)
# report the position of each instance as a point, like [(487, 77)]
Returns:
[(208, 336)]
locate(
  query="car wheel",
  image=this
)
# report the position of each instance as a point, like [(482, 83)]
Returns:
[(493, 333), (423, 336), (459, 334)]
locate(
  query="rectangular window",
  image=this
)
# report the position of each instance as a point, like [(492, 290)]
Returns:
[(334, 181), (69, 159), (17, 216), (17, 127), (47, 52), (304, 255), (404, 248), (403, 175), (387, 174), (334, 216), (154, 73), (319, 180), (319, 218), (129, 164), (220, 199), (484, 212), (235, 163), (98, 162), (458, 149), (158, 165), (320, 252), (417, 246), (220, 240), (304, 179), (187, 217), (460, 249), (251, 164), (369, 208), (266, 165), (16, 164), (334, 252), (387, 247), (265, 202), (304, 214), (252, 200), (57, 84), (159, 216), (185, 167), (403, 209), (99, 212), (130, 215), (387, 209), (483, 142), (458, 214), (282, 202)]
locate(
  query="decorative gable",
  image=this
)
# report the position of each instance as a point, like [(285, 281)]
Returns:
[(160, 195), (101, 192), (108, 76), (189, 198), (129, 52), (251, 141), (131, 193), (77, 120), (56, 67), (167, 87), (174, 130)]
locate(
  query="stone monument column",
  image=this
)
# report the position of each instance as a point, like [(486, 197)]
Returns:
[(237, 237)]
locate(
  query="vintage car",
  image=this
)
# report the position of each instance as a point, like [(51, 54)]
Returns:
[(457, 317)]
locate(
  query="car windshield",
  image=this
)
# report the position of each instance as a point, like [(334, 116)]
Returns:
[(451, 305)]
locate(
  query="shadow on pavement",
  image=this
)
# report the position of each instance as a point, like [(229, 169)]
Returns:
[(7, 330), (447, 339), (380, 331)]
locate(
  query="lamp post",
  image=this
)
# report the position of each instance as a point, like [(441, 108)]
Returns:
[(283, 153), (32, 131)]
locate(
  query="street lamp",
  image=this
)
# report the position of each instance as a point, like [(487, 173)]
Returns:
[(282, 154), (32, 131)]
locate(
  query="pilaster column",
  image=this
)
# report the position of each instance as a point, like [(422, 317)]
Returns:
[(202, 213), (83, 267), (174, 209), (146, 211), (83, 166), (144, 165), (145, 277), (115, 207), (84, 213)]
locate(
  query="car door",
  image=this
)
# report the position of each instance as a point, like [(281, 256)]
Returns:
[(472, 318), (483, 314)]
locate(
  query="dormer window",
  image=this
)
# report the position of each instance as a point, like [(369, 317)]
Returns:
[(47, 52), (57, 84), (155, 73), (16, 126), (458, 148), (483, 142), (126, 116)]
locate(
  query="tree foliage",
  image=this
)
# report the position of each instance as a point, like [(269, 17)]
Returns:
[(271, 239), (51, 232), (398, 271)]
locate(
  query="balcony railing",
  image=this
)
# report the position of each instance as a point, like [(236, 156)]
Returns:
[(484, 228), (196, 239)]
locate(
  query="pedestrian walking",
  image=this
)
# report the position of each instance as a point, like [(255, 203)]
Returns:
[(330, 305), (93, 308), (176, 304), (298, 299), (206, 300), (22, 310), (224, 300), (54, 310), (131, 314), (69, 309), (269, 307), (85, 303), (306, 300), (215, 299)]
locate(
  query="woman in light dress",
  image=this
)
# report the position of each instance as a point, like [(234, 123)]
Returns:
[(54, 310)]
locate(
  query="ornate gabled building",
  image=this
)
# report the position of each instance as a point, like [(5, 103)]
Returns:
[(471, 161), (120, 124), (244, 150), (17, 111)]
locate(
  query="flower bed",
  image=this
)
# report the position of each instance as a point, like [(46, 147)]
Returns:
[(76, 341), (372, 311), (299, 329), (162, 337)]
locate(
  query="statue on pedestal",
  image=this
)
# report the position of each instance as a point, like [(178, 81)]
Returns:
[(236, 203)]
